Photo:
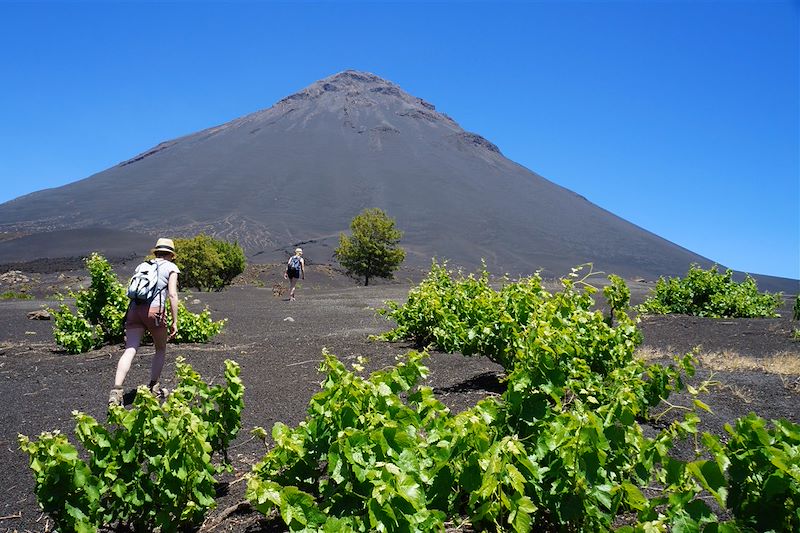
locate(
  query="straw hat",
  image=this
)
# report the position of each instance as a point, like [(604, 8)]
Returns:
[(164, 245)]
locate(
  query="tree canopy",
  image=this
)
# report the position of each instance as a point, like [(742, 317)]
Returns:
[(208, 263), (371, 250)]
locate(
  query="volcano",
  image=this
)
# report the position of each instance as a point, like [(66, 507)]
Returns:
[(299, 171)]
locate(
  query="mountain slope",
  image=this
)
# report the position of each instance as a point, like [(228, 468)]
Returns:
[(299, 171)]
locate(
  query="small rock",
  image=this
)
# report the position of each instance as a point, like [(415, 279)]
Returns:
[(14, 277), (41, 314), (195, 301), (288, 319)]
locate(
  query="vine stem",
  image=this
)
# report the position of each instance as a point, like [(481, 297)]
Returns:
[(670, 408), (240, 506)]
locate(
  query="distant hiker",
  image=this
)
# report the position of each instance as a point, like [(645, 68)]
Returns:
[(295, 268), (154, 281)]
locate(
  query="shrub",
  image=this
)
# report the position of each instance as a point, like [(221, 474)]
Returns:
[(464, 314), (617, 294), (712, 294), (12, 295), (372, 248), (796, 308), (73, 332), (561, 449), (100, 312), (105, 302), (761, 464), (195, 327), (149, 468), (342, 471), (208, 263), (221, 407)]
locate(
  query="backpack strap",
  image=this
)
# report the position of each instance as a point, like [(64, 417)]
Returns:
[(159, 292)]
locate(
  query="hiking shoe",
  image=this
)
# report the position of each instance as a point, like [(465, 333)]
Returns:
[(158, 391), (115, 396)]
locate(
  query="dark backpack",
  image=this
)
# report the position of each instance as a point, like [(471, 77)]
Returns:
[(143, 286), (294, 264)]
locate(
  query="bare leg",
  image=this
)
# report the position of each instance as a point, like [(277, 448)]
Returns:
[(133, 337), (160, 343), (292, 285)]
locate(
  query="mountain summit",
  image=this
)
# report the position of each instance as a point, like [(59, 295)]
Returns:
[(299, 171)]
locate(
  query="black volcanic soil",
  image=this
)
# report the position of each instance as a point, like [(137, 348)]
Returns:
[(278, 345)]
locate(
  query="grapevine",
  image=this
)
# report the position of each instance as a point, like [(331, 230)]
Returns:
[(149, 467), (100, 311), (711, 294), (561, 449)]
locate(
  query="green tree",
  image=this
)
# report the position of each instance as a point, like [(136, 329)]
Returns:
[(372, 249), (208, 263)]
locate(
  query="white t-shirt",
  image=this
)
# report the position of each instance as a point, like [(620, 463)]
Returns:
[(165, 268)]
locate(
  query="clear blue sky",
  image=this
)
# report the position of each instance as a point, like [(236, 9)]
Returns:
[(681, 117)]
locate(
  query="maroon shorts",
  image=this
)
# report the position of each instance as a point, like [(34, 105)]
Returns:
[(144, 316)]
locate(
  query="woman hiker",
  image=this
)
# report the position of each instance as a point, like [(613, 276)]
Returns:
[(295, 268), (150, 315)]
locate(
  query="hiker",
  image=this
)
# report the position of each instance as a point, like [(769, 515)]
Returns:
[(150, 314), (295, 268)]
